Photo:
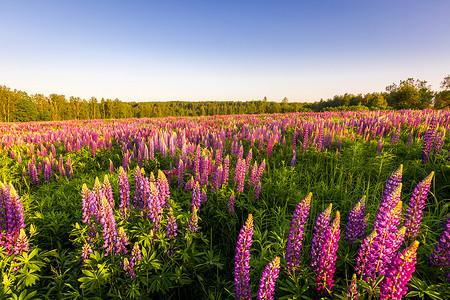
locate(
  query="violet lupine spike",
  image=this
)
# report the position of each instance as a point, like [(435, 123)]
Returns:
[(399, 274), (438, 143), (242, 261), (86, 251), (21, 243), (295, 236), (193, 222), (416, 205), (226, 169), (107, 191), (163, 188), (352, 292), (257, 191), (387, 202), (428, 140), (130, 265), (122, 242), (356, 223), (171, 230), (124, 193), (69, 169), (253, 175), (196, 197), (410, 138), (180, 174), (231, 201), (383, 248), (320, 227), (109, 230), (268, 280), (363, 259), (327, 257), (441, 253), (294, 158)]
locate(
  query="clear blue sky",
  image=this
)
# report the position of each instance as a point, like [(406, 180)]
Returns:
[(221, 50)]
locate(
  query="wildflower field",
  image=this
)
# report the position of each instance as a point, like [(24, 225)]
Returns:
[(339, 205)]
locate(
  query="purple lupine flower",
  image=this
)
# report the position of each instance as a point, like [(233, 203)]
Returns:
[(248, 161), (416, 205), (252, 181), (327, 257), (21, 243), (216, 179), (305, 139), (268, 280), (357, 222), (295, 236), (225, 172), (388, 202), (231, 201), (428, 140), (69, 168), (382, 250), (240, 177), (163, 188), (125, 161), (107, 191), (439, 142), (108, 223), (400, 272), (380, 146), (410, 138), (180, 174), (364, 259), (352, 292), (318, 237), (242, 261), (124, 192), (196, 197), (62, 171), (111, 167), (261, 168), (130, 265), (122, 241), (86, 251), (171, 230), (294, 158), (11, 220), (441, 253), (193, 222), (257, 191)]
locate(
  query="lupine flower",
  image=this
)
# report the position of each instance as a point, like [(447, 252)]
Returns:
[(21, 244), (107, 191), (252, 181), (231, 201), (295, 236), (193, 222), (124, 192), (363, 259), (268, 280), (242, 261), (226, 167), (294, 158), (416, 205), (69, 168), (129, 266), (317, 241), (357, 222), (388, 202), (428, 140), (441, 253), (108, 223), (400, 272), (352, 292), (257, 190), (410, 138), (439, 142), (122, 241), (180, 174), (86, 251), (327, 256), (196, 197), (171, 230)]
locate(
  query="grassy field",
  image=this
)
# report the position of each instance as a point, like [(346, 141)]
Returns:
[(197, 208)]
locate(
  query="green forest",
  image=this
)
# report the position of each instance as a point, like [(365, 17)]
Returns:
[(19, 106)]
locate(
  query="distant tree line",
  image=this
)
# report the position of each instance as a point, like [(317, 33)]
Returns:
[(18, 106)]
